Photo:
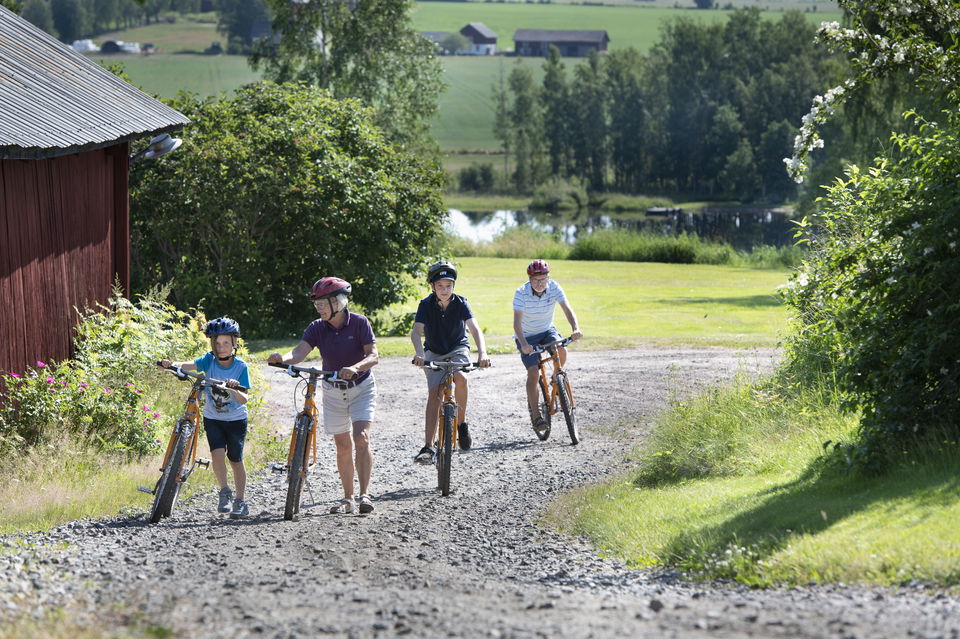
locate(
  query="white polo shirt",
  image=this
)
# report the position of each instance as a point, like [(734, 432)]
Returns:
[(537, 310)]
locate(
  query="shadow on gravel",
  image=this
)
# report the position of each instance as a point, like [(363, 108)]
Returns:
[(405, 493)]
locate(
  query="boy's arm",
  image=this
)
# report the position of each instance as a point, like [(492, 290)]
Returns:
[(525, 348), (416, 336), (575, 333), (295, 356), (479, 341), (187, 366)]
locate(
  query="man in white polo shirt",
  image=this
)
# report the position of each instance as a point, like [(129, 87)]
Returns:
[(533, 306)]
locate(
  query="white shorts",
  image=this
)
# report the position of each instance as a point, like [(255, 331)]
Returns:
[(344, 406)]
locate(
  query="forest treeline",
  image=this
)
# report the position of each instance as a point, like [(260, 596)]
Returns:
[(710, 112)]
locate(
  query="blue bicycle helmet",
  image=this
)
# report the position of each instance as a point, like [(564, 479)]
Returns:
[(222, 326)]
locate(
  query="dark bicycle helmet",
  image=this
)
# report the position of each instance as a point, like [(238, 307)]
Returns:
[(538, 267), (441, 271), (329, 287), (222, 326)]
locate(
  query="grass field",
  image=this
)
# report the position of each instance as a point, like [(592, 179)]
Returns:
[(617, 304), (165, 74), (636, 25)]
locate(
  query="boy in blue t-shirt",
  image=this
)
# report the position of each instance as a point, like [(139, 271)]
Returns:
[(224, 412), (445, 317)]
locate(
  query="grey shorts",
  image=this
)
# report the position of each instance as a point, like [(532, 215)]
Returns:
[(435, 378)]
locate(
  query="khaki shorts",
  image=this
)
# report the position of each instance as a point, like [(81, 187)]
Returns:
[(344, 406), (435, 378)]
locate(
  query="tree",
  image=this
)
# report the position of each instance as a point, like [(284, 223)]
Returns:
[(590, 134), (878, 299), (70, 19), (273, 188), (557, 113), (363, 49), (37, 12), (236, 19), (454, 42), (524, 129)]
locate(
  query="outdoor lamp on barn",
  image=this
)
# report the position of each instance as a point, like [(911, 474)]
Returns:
[(160, 145)]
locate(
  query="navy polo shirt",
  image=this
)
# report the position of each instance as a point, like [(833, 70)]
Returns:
[(445, 329), (342, 346)]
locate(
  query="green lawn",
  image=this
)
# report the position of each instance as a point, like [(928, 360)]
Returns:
[(617, 304)]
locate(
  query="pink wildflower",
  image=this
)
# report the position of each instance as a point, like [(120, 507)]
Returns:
[(108, 391), (83, 384), (50, 380), (14, 375), (155, 415), (41, 365)]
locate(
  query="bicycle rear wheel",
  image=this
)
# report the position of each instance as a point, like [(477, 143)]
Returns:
[(568, 408), (445, 454), (168, 488), (544, 409), (297, 470)]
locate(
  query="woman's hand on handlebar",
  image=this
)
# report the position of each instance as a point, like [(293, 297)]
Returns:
[(275, 358)]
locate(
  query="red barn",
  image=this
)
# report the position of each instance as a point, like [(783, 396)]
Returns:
[(66, 126)]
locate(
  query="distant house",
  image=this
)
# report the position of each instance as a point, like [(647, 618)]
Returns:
[(483, 40), (84, 46), (572, 44), (66, 125)]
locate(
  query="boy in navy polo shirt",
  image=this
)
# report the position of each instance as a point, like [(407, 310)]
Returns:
[(444, 316)]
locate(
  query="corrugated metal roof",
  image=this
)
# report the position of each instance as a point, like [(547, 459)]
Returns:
[(546, 35), (54, 101), (482, 29)]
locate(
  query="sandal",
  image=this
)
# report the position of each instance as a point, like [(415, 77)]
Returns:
[(366, 504), (342, 507)]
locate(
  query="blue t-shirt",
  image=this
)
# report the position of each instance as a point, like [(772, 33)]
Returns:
[(445, 329), (221, 404), (342, 346)]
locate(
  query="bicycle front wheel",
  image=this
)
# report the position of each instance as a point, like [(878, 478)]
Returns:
[(168, 488), (297, 470), (568, 408), (544, 409), (445, 454)]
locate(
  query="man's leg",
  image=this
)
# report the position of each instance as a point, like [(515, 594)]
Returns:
[(533, 376)]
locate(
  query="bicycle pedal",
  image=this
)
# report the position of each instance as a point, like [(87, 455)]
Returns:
[(144, 489), (201, 461), (278, 469)]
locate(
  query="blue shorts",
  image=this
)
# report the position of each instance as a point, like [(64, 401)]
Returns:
[(546, 337), (229, 435)]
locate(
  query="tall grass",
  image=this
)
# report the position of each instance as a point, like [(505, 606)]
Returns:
[(516, 241)]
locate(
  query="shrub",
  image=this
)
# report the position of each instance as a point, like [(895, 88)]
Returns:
[(102, 396), (477, 177), (628, 246)]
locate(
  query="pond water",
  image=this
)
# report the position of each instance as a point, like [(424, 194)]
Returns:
[(742, 228)]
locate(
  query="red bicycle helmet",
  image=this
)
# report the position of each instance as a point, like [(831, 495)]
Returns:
[(329, 287), (538, 267)]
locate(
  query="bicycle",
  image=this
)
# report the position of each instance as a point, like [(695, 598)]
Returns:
[(446, 441), (180, 459), (303, 439), (555, 394)]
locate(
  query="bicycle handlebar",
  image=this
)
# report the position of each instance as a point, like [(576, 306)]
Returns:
[(543, 347), (441, 365), (294, 371), (206, 381)]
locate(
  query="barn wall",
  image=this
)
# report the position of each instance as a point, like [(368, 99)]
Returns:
[(64, 238)]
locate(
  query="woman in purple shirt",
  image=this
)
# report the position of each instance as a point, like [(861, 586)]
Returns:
[(347, 345)]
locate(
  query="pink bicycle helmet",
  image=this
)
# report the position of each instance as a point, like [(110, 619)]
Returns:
[(538, 267), (329, 287)]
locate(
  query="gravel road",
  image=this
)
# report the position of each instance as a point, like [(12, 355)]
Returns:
[(474, 564)]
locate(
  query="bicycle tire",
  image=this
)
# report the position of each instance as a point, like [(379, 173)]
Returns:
[(568, 408), (544, 409), (445, 454), (297, 469), (168, 488)]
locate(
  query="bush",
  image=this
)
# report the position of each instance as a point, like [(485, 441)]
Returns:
[(628, 246), (477, 177), (516, 241), (102, 396), (878, 298), (557, 196)]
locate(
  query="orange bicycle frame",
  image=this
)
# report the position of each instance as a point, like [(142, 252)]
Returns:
[(551, 382)]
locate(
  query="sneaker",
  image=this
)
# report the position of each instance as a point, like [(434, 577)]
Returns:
[(240, 509), (426, 456), (463, 436), (226, 496), (541, 427)]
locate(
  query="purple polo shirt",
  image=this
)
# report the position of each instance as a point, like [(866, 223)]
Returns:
[(342, 346)]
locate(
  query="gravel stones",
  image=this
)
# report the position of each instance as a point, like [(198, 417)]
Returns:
[(472, 564)]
